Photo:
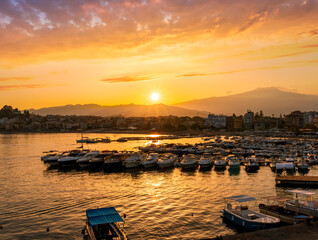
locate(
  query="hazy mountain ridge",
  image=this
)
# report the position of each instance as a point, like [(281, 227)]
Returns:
[(271, 100), (130, 110)]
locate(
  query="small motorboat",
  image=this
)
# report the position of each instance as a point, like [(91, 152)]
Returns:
[(252, 164), (242, 216), (103, 224), (166, 160), (219, 162), (189, 161), (234, 163), (83, 161), (115, 162), (305, 202), (277, 209), (133, 160), (69, 161), (49, 154), (205, 160), (150, 161)]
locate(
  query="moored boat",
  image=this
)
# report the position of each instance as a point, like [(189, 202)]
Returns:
[(104, 224), (189, 161), (167, 160), (305, 202), (242, 216), (277, 209), (133, 161), (150, 161), (205, 160)]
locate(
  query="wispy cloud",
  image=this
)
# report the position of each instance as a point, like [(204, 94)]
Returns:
[(310, 46), (126, 79), (27, 86), (292, 54), (5, 79), (193, 75)]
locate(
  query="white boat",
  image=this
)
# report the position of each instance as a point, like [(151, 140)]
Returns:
[(234, 163), (104, 223), (305, 202), (219, 162), (49, 154), (242, 216), (251, 164), (133, 161), (83, 161), (189, 161), (70, 160), (150, 161), (205, 160), (166, 160)]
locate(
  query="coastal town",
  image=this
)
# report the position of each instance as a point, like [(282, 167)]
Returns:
[(294, 123)]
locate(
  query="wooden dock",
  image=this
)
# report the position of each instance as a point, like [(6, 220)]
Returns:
[(297, 181), (293, 232)]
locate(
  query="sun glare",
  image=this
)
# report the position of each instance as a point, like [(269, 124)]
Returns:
[(155, 96)]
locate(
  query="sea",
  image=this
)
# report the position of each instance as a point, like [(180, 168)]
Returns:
[(41, 203)]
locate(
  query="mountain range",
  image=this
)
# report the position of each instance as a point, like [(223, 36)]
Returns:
[(130, 110), (270, 100)]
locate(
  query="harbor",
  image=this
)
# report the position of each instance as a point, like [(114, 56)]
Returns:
[(159, 203)]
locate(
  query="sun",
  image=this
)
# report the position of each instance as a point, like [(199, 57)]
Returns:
[(155, 97)]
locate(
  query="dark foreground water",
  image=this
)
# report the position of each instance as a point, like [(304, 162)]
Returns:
[(169, 204)]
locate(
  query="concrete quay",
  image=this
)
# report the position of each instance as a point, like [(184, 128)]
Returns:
[(294, 232)]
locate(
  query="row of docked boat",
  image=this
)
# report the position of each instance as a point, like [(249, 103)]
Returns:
[(114, 160), (304, 207)]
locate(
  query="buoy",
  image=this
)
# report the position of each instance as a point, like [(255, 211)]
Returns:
[(125, 215), (47, 229), (192, 214)]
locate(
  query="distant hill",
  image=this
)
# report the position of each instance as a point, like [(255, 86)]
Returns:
[(270, 100), (130, 110)]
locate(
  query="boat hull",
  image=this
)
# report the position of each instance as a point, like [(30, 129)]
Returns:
[(245, 223)]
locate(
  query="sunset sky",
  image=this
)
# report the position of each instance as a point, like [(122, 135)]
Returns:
[(119, 52)]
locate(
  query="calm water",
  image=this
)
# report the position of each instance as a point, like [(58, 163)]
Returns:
[(169, 204)]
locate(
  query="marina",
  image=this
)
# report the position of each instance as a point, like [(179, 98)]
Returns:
[(189, 199)]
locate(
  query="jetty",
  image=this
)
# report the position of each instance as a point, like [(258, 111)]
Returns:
[(297, 181), (293, 232)]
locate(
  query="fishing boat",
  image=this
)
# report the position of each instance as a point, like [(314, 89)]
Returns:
[(276, 207), (242, 216), (305, 202), (104, 224)]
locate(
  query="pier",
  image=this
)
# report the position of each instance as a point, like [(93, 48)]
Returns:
[(297, 181), (299, 231)]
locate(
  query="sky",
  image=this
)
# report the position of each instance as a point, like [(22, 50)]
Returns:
[(115, 52)]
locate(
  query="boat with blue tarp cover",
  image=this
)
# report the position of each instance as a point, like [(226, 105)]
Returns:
[(242, 216), (104, 224)]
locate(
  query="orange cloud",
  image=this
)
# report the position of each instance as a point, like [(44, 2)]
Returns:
[(28, 86), (125, 79), (4, 79)]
